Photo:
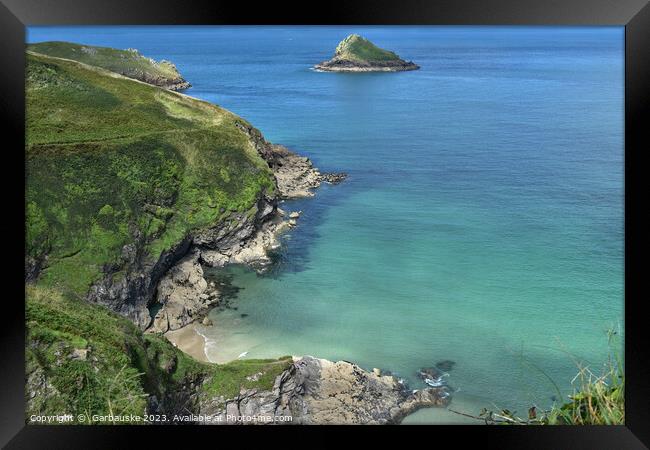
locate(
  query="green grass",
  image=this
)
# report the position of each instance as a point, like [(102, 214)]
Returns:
[(124, 366), (598, 398), (109, 159), (126, 62), (357, 48), (110, 162), (57, 325), (227, 380)]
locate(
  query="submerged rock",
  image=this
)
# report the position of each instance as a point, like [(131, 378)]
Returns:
[(445, 365)]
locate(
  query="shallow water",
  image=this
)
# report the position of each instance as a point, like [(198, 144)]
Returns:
[(482, 220)]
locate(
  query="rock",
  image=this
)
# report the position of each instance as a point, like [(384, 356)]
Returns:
[(160, 322), (357, 54), (213, 258), (79, 354), (333, 178), (429, 372), (207, 322), (255, 376), (181, 292), (317, 391), (294, 215), (445, 365), (376, 371)]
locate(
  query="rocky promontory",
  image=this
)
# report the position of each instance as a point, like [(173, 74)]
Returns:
[(320, 392), (357, 54), (129, 63)]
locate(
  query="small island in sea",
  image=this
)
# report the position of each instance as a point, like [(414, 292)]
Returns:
[(357, 54)]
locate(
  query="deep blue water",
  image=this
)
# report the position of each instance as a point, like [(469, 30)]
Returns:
[(482, 220)]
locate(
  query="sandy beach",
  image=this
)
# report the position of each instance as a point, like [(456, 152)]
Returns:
[(189, 341)]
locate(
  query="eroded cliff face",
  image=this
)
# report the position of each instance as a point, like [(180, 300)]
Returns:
[(183, 293), (319, 392), (132, 288), (241, 239), (174, 282)]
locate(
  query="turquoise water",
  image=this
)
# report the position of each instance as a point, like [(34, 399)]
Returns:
[(482, 220)]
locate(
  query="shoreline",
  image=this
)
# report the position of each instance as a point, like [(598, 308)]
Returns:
[(362, 69), (189, 341)]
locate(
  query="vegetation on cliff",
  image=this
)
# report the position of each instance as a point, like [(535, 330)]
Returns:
[(598, 398), (129, 63), (111, 162), (83, 359), (357, 54), (120, 171), (357, 48)]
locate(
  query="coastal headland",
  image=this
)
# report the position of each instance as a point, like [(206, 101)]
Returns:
[(131, 190)]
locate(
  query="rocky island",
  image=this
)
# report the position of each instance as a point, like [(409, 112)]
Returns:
[(357, 54)]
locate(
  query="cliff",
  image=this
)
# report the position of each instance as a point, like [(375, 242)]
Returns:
[(357, 54), (129, 63), (123, 177)]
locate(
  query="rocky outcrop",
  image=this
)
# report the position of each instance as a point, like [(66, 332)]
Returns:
[(172, 83), (357, 54), (128, 288), (183, 294), (296, 175), (252, 251), (343, 65), (318, 391)]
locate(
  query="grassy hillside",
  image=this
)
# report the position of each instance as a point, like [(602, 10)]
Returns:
[(83, 359), (115, 165), (110, 160), (129, 63), (357, 48)]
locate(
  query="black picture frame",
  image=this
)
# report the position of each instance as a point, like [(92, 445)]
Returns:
[(633, 14)]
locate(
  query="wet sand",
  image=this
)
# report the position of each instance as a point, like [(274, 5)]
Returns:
[(189, 341)]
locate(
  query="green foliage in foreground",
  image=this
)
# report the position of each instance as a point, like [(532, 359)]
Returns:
[(122, 366), (111, 161), (598, 399), (126, 62), (357, 48)]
